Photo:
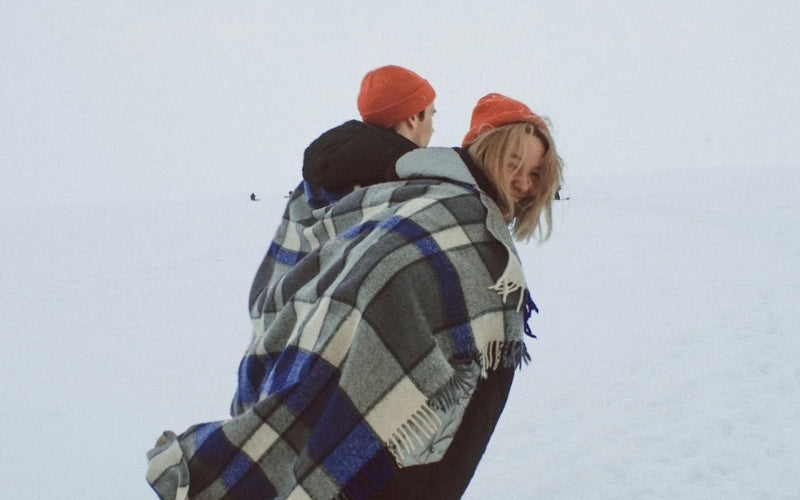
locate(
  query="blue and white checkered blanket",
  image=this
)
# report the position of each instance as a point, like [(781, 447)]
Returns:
[(374, 318)]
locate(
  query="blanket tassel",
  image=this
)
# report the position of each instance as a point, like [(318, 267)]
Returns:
[(529, 308)]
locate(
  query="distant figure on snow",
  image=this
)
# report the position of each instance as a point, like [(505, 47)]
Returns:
[(253, 197)]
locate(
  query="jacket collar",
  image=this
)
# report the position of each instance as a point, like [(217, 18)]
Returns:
[(453, 164)]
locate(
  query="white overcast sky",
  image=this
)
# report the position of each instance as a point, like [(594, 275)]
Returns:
[(152, 99)]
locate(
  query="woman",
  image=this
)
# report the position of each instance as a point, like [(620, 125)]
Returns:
[(511, 156), (382, 358)]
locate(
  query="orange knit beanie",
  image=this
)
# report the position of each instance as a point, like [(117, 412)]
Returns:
[(391, 94), (494, 110)]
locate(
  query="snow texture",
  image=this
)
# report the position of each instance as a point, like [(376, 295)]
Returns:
[(132, 134)]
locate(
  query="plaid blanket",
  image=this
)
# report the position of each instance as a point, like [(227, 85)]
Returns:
[(374, 318)]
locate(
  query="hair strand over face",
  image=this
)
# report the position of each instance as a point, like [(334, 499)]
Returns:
[(492, 151)]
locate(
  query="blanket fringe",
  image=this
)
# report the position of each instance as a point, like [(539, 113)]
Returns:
[(530, 308), (422, 425), (418, 429), (458, 385), (506, 354), (511, 280)]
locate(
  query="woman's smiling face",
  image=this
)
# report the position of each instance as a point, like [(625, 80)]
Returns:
[(523, 176)]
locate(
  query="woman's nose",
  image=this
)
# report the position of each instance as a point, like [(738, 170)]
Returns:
[(522, 183)]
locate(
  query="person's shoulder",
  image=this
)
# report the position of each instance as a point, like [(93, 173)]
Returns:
[(433, 153), (360, 136), (338, 133), (436, 162)]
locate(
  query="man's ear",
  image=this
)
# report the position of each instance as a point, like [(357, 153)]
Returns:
[(412, 121)]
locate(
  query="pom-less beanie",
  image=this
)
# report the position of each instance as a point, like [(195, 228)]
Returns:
[(494, 110), (391, 94)]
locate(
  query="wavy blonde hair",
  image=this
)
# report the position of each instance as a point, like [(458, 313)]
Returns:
[(492, 151)]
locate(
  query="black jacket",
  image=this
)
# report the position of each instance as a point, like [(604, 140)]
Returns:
[(449, 478), (353, 154)]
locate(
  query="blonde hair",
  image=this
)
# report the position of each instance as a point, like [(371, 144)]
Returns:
[(492, 151)]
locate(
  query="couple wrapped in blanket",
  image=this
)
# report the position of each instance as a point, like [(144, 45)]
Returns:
[(388, 323)]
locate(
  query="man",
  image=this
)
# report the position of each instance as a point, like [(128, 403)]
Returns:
[(396, 106)]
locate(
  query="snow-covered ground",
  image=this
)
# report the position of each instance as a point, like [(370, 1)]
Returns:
[(666, 363), (132, 134)]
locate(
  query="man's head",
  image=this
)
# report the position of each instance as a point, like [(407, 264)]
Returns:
[(395, 97)]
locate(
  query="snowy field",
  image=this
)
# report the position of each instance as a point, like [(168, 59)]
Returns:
[(666, 363), (132, 134)]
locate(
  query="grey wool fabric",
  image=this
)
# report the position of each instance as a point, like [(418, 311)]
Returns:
[(373, 320)]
